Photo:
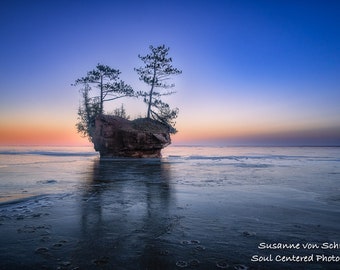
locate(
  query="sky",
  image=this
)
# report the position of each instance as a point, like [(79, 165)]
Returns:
[(254, 72)]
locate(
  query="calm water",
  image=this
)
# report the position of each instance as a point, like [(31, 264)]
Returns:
[(196, 208)]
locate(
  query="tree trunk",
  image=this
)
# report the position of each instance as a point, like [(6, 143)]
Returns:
[(101, 110), (150, 99), (151, 91)]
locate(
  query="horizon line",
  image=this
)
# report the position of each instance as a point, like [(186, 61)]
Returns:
[(183, 145)]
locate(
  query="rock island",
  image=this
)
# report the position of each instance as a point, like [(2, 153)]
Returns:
[(115, 136)]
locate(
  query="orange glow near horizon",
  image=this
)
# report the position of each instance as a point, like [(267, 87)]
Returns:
[(240, 133), (65, 134), (44, 135)]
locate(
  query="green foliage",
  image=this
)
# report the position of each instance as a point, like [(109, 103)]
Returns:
[(165, 114), (87, 113), (156, 72), (121, 112), (106, 80)]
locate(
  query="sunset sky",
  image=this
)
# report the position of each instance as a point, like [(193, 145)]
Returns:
[(254, 72)]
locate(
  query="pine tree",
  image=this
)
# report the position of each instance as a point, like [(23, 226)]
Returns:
[(106, 80), (155, 73)]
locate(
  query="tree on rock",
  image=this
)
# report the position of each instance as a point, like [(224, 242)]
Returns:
[(156, 72), (106, 79), (110, 87), (87, 113)]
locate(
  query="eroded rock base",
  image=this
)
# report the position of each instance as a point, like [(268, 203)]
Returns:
[(118, 137)]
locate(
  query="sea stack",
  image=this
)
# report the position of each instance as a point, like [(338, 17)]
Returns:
[(115, 136)]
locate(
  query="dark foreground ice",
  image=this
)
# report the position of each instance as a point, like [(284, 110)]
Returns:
[(190, 212)]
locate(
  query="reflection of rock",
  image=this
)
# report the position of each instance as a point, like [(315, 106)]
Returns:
[(115, 136), (126, 211)]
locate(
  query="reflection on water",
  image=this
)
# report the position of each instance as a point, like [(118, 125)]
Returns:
[(141, 214), (125, 211), (195, 209)]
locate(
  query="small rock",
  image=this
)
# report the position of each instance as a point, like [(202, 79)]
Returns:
[(181, 264), (199, 248), (222, 264), (164, 252), (194, 263), (248, 234), (57, 245), (65, 263)]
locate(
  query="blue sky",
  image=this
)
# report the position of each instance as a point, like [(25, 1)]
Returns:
[(254, 72)]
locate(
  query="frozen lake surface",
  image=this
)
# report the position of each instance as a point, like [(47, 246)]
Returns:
[(196, 208)]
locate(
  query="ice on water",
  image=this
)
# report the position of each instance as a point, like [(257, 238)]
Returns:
[(202, 207)]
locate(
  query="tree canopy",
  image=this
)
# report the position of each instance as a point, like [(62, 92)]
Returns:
[(110, 87), (156, 73), (106, 79), (103, 84)]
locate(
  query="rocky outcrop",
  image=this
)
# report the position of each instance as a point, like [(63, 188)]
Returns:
[(114, 136)]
